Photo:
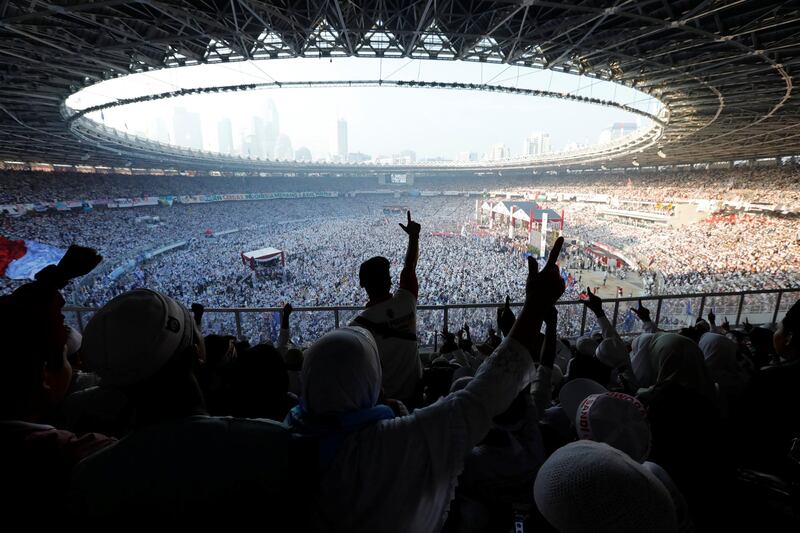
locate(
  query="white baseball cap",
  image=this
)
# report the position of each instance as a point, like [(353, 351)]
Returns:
[(615, 418), (134, 335)]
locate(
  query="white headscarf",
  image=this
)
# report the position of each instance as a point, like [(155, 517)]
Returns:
[(720, 355), (341, 372)]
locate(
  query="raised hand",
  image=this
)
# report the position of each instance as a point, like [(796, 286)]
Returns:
[(593, 302), (197, 312), (78, 261), (547, 286), (642, 312), (712, 317), (286, 312), (505, 317), (412, 228), (725, 324)]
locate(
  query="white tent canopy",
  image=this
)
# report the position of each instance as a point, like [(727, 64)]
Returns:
[(262, 253), (263, 256)]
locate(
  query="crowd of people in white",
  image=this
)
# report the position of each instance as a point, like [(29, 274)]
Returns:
[(326, 238)]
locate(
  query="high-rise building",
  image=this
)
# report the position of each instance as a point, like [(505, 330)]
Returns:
[(616, 131), (467, 156), (537, 143), (499, 151), (188, 129), (225, 136), (258, 144), (271, 130), (341, 139), (283, 148)]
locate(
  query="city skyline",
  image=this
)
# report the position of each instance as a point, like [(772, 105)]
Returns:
[(382, 121)]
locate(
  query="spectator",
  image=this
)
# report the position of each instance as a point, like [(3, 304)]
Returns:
[(177, 461), (415, 457), (37, 459), (392, 319), (590, 486)]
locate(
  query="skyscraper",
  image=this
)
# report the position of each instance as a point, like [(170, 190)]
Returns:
[(259, 146), (225, 136), (341, 139), (499, 151), (283, 148), (271, 130), (616, 131), (538, 143), (188, 129)]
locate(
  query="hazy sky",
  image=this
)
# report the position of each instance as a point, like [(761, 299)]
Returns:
[(381, 120)]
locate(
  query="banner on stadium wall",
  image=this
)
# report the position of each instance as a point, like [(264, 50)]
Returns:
[(144, 200), (168, 200), (120, 202), (16, 210)]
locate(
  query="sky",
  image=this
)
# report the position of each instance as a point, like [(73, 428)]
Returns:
[(381, 120)]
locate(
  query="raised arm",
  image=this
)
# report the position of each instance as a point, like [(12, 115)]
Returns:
[(595, 305), (412, 254), (284, 334), (500, 378), (440, 435), (541, 389), (644, 315)]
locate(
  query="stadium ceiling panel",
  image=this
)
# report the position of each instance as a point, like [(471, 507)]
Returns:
[(724, 69)]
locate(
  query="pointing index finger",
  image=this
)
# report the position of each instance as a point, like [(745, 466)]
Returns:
[(555, 252), (409, 216)]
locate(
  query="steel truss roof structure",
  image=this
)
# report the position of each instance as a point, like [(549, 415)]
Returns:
[(723, 69)]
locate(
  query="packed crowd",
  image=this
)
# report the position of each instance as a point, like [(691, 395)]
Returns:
[(771, 185), (146, 418), (325, 238)]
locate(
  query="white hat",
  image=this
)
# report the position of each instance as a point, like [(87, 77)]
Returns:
[(617, 419), (612, 352), (134, 335), (590, 486)]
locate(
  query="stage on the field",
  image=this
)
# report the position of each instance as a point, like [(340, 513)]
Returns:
[(264, 257)]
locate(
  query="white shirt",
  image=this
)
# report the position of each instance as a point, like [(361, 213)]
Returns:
[(402, 368)]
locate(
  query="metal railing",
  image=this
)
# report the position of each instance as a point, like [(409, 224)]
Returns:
[(668, 311)]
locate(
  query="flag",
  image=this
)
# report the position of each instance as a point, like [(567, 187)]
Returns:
[(23, 259)]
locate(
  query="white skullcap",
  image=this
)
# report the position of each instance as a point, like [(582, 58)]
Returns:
[(590, 486)]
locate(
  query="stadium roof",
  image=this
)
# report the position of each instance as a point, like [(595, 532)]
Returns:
[(725, 70)]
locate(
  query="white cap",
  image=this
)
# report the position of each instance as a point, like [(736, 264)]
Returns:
[(590, 486), (134, 335), (615, 418)]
